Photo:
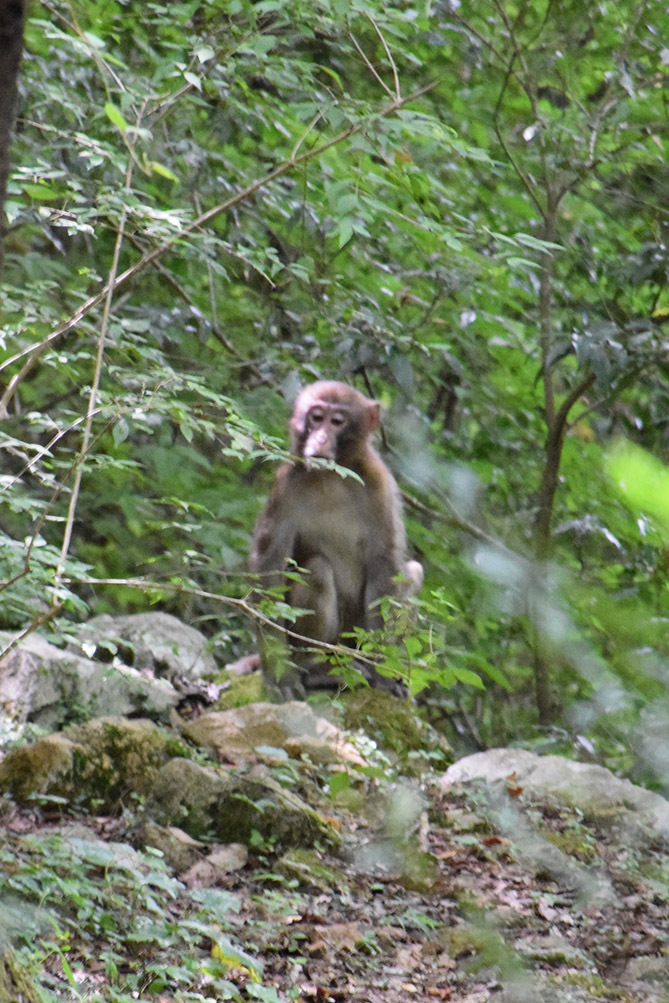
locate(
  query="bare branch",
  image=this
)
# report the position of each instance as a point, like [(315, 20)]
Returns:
[(369, 65), (314, 122), (243, 606), (92, 399), (388, 54)]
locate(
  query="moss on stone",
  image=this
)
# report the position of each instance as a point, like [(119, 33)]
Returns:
[(206, 801), (44, 767), (242, 690), (16, 982), (393, 723), (115, 757), (99, 762)]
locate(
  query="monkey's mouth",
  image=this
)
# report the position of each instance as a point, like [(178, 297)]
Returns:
[(323, 461), (318, 448)]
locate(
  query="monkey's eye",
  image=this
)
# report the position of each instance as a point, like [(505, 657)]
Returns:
[(337, 420), (316, 417)]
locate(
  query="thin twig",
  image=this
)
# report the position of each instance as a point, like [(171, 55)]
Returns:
[(242, 605), (527, 184), (388, 54), (520, 56), (181, 292), (32, 626), (455, 521), (567, 404), (369, 65), (92, 400), (44, 450), (306, 132)]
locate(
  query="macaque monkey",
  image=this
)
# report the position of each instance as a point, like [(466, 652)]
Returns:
[(346, 534)]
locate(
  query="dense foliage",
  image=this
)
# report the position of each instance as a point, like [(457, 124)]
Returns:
[(459, 207)]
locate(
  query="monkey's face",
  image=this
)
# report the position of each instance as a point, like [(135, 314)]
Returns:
[(325, 428), (332, 421)]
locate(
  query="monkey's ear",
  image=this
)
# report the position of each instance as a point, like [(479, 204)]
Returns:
[(373, 415)]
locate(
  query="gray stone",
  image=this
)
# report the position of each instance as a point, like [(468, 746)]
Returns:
[(97, 763), (41, 683), (155, 642), (180, 851), (236, 734), (592, 789)]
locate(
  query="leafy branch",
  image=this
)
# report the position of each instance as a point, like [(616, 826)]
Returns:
[(244, 606), (33, 352)]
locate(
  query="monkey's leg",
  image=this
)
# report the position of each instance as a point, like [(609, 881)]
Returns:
[(317, 592), (281, 676)]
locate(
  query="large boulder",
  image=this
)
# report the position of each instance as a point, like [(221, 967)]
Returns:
[(48, 686), (235, 735), (596, 792), (151, 642), (213, 801), (43, 767), (101, 762)]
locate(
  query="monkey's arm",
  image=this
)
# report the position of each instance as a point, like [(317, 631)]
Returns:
[(274, 539), (387, 554), (274, 534)]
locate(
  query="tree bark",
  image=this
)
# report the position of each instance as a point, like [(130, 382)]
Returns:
[(12, 18)]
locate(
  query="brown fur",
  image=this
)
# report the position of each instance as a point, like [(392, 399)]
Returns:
[(347, 533)]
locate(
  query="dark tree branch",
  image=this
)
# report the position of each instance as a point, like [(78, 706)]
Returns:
[(12, 18)]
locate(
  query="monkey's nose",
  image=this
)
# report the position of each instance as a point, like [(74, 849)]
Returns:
[(318, 445)]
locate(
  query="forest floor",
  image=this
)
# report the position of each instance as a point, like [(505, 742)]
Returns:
[(461, 919)]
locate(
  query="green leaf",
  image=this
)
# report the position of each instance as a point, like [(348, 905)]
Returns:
[(41, 192), (193, 79), (233, 957), (347, 203), (468, 677), (115, 116), (266, 994), (540, 245), (413, 646), (523, 263), (339, 782), (163, 171), (204, 53), (120, 431), (260, 45), (641, 479), (345, 229)]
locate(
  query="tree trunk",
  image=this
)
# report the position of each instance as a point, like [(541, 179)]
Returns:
[(12, 17)]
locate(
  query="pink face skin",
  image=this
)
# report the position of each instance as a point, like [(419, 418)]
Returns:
[(323, 424), (332, 421)]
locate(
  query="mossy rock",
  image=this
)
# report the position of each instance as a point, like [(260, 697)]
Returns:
[(243, 690), (234, 736), (100, 762), (43, 767), (16, 983), (120, 757), (393, 723), (206, 801), (307, 867)]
